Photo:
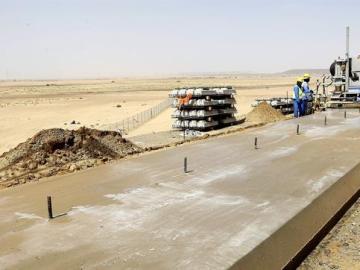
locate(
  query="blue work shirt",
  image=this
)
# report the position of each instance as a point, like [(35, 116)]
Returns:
[(297, 93), (306, 89)]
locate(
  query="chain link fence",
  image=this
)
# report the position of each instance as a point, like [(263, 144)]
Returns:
[(132, 122)]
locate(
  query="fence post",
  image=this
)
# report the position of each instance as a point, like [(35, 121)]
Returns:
[(144, 116)]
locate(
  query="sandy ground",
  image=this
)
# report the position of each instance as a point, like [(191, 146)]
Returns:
[(21, 117), (27, 107), (161, 123), (244, 98)]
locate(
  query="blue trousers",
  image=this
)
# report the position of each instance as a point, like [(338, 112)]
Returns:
[(297, 108), (304, 106)]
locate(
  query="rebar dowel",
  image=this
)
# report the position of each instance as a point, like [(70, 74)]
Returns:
[(344, 114), (256, 143), (298, 129), (325, 121), (50, 212), (185, 165)]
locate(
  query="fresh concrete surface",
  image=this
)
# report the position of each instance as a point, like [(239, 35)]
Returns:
[(145, 213)]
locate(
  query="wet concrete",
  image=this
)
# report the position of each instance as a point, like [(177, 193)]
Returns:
[(147, 213)]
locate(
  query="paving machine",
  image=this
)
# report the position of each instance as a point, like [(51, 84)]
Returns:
[(344, 77)]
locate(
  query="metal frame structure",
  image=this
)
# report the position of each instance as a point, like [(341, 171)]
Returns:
[(345, 80)]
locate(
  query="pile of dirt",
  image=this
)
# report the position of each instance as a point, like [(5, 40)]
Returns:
[(264, 113), (57, 151)]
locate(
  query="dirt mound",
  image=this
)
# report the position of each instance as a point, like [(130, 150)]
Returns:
[(264, 113), (56, 151)]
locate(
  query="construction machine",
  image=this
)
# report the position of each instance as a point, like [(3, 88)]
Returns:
[(344, 78)]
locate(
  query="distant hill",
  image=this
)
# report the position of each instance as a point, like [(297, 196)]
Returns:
[(317, 71)]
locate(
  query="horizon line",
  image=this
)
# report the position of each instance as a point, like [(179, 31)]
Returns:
[(166, 75)]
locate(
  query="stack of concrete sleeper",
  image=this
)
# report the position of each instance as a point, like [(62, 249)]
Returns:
[(202, 108)]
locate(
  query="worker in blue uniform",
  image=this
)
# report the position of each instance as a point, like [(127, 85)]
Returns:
[(298, 97), (306, 94)]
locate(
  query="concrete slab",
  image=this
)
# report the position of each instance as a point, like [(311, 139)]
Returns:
[(238, 207)]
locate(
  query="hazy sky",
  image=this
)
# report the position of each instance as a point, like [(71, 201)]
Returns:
[(89, 38)]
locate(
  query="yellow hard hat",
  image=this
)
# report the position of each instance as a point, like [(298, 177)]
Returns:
[(306, 76), (299, 79)]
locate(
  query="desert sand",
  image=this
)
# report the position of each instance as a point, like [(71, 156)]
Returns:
[(22, 115), (27, 107)]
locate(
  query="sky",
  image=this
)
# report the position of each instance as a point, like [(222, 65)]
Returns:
[(49, 39)]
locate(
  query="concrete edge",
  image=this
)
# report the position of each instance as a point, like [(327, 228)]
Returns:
[(200, 138), (288, 246)]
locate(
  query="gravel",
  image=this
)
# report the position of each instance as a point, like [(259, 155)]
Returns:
[(340, 249)]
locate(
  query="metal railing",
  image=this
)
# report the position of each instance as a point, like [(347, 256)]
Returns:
[(136, 120)]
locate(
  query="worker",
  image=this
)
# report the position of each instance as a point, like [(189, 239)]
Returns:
[(307, 94), (298, 97)]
